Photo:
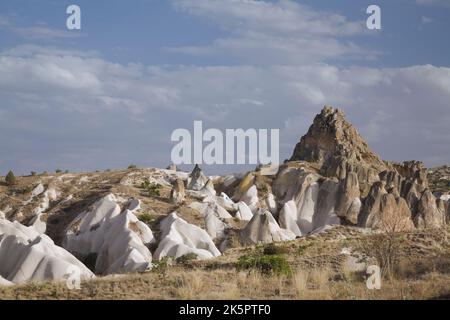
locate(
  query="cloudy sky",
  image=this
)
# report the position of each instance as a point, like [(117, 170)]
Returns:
[(112, 93)]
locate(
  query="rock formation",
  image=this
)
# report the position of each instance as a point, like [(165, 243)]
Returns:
[(178, 192), (116, 237), (26, 255), (180, 238), (371, 193), (263, 228)]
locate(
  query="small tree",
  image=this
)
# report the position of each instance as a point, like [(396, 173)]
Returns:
[(10, 178), (385, 246)]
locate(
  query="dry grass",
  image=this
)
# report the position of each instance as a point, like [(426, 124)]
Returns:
[(227, 285), (300, 282), (320, 272)]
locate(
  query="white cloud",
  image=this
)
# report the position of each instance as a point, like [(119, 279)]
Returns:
[(36, 32), (59, 103), (282, 32), (443, 3), (426, 20)]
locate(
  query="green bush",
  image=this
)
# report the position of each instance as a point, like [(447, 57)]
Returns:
[(186, 258), (272, 249), (58, 171), (10, 179), (33, 173), (266, 264), (151, 188), (132, 166), (148, 219), (161, 266)]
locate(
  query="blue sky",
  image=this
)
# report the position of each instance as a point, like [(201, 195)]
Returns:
[(111, 94)]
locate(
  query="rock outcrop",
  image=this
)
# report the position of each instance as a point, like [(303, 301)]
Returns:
[(26, 255), (263, 228), (180, 238), (333, 144), (178, 192), (115, 237), (371, 192)]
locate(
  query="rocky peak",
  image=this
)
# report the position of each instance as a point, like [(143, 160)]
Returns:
[(331, 139)]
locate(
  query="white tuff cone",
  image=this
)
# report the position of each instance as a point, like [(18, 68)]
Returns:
[(180, 238), (117, 237), (26, 255), (263, 228)]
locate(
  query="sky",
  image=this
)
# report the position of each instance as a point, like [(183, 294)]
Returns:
[(111, 94)]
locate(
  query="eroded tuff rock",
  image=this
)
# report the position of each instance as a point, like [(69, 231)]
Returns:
[(370, 191), (180, 238), (197, 180), (308, 199), (178, 192), (349, 203), (116, 238), (334, 144), (263, 228), (26, 255)]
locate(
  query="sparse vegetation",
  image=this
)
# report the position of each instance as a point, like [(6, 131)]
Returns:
[(132, 166), (57, 171), (385, 246)]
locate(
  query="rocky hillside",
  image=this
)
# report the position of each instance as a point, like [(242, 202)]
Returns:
[(126, 221), (439, 179)]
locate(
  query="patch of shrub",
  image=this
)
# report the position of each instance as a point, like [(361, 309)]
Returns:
[(151, 188), (58, 171), (33, 173), (132, 166), (161, 266), (27, 189), (264, 263), (148, 219), (272, 249), (186, 258)]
